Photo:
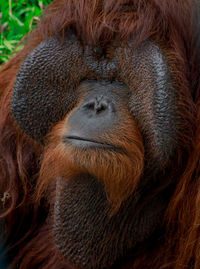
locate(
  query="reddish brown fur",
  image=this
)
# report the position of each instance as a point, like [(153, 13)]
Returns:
[(166, 21)]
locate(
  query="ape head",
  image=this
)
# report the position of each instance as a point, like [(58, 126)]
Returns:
[(115, 120), (120, 122)]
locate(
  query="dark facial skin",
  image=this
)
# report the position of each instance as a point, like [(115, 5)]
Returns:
[(100, 113), (52, 72)]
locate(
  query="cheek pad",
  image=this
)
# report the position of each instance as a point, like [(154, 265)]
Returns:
[(43, 91), (45, 88)]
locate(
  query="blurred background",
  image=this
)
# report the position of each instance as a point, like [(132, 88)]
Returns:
[(17, 18)]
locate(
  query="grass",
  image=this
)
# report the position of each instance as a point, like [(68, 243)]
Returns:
[(17, 18)]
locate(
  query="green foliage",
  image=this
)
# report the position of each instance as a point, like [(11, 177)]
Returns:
[(17, 18)]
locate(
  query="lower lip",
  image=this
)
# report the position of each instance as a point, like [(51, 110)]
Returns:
[(82, 143), (86, 143)]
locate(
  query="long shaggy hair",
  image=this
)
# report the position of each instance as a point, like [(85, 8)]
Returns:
[(24, 163)]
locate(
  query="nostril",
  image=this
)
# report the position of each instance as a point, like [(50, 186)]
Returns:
[(101, 107), (90, 105)]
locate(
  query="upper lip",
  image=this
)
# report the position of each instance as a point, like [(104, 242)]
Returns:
[(93, 142)]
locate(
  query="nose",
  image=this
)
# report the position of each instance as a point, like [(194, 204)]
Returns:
[(97, 114), (99, 105)]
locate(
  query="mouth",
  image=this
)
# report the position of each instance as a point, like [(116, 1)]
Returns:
[(82, 142)]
